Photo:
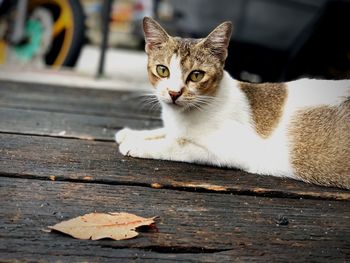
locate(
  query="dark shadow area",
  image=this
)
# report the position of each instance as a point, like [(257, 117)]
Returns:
[(273, 40)]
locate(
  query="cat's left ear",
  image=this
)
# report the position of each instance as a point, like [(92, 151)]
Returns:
[(219, 39)]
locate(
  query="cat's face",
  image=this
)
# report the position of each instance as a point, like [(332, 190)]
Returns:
[(185, 72)]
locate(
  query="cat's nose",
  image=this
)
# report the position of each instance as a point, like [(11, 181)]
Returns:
[(174, 95)]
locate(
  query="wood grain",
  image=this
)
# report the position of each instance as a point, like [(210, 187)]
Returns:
[(100, 162), (70, 125), (58, 160), (76, 100), (200, 226)]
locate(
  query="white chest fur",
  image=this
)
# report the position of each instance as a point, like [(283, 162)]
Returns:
[(226, 131)]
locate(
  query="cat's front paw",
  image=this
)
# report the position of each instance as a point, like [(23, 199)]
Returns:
[(129, 143), (142, 144), (121, 135), (133, 148)]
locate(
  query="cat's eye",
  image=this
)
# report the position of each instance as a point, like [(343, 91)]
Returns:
[(162, 71), (196, 76)]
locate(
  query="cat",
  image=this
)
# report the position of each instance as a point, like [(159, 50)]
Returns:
[(298, 129)]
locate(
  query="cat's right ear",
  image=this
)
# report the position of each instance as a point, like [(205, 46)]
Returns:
[(155, 35)]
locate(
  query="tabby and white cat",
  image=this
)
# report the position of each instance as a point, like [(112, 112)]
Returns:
[(299, 129)]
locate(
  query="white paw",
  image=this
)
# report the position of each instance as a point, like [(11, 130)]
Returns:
[(121, 135), (136, 143), (130, 144), (133, 148)]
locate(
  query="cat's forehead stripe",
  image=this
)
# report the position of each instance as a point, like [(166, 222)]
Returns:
[(175, 72), (174, 61)]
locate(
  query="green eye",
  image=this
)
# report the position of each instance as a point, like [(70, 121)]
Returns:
[(163, 71), (196, 75)]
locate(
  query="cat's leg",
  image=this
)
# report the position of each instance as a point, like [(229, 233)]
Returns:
[(167, 149), (129, 134)]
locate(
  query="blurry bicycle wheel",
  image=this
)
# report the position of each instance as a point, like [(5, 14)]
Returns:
[(54, 34)]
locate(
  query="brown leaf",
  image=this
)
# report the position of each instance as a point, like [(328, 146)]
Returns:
[(117, 226)]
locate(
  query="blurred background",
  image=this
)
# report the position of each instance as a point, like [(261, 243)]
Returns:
[(61, 41)]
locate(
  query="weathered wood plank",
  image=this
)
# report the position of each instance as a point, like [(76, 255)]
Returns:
[(79, 113), (95, 161), (70, 125), (79, 101), (192, 226)]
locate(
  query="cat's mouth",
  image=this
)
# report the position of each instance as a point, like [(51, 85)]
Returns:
[(174, 104), (181, 103)]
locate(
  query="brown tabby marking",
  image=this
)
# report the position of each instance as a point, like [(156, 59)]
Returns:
[(320, 140), (193, 56), (161, 55), (207, 54), (267, 102)]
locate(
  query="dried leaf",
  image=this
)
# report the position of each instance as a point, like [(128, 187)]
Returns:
[(117, 226)]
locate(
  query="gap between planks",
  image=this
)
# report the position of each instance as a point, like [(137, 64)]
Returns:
[(279, 190), (199, 188), (68, 137), (239, 225), (112, 168)]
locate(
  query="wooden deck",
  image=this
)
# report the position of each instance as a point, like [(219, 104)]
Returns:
[(58, 160)]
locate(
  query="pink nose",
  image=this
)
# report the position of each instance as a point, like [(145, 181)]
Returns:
[(174, 95)]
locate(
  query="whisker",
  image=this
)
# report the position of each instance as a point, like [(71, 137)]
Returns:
[(149, 100), (201, 102), (196, 105)]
